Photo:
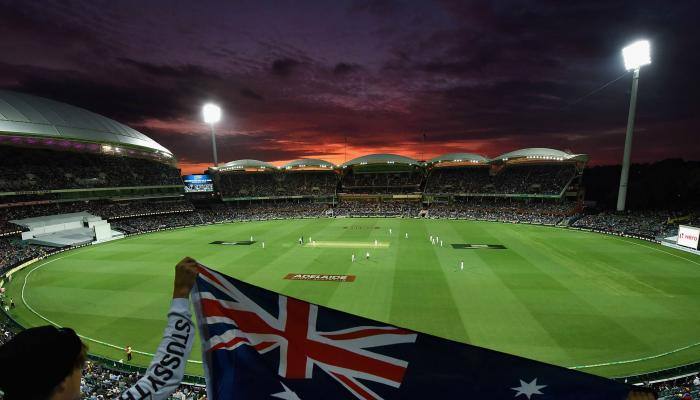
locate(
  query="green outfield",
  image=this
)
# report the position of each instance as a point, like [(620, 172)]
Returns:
[(567, 297)]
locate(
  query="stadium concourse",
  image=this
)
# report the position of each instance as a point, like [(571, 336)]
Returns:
[(59, 159)]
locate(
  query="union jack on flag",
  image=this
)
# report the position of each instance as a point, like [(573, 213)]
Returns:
[(258, 344), (232, 319)]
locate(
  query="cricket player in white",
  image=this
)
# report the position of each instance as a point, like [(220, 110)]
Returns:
[(461, 265), (352, 259), (406, 235), (367, 256)]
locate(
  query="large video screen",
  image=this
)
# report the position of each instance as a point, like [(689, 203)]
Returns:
[(688, 236), (198, 183)]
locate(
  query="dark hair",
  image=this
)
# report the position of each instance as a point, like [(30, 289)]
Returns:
[(37, 360)]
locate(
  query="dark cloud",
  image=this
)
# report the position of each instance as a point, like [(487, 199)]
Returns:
[(284, 67), (378, 8), (345, 68), (128, 103), (249, 93), (189, 72)]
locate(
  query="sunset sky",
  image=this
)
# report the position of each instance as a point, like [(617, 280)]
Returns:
[(297, 78)]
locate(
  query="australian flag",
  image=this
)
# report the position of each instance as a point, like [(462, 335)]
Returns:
[(258, 344)]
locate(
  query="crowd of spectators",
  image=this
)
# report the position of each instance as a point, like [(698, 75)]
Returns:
[(648, 224), (471, 179), (6, 333), (549, 179), (277, 183), (222, 213), (13, 252), (381, 182), (307, 183), (685, 388), (246, 184), (359, 208), (100, 383), (41, 169), (550, 213)]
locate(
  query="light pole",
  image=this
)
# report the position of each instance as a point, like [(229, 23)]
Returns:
[(636, 55)]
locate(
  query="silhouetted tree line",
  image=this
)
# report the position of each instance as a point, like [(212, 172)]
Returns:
[(672, 184)]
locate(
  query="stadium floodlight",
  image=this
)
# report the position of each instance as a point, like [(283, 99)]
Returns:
[(636, 56), (212, 115)]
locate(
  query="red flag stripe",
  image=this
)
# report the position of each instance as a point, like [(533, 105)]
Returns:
[(231, 343), (366, 333), (246, 321)]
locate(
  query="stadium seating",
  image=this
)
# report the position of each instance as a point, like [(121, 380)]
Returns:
[(385, 209), (648, 224), (526, 178), (26, 169), (277, 184), (381, 182), (548, 213)]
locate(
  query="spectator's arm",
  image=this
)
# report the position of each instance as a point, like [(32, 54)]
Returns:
[(165, 373)]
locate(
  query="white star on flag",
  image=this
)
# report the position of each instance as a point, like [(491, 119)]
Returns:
[(287, 394), (528, 389)]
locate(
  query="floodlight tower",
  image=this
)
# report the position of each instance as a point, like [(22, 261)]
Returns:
[(636, 56), (212, 115)]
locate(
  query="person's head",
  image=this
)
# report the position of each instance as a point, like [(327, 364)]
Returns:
[(43, 363)]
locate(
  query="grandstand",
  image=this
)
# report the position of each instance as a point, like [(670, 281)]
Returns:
[(382, 174), (525, 173), (51, 151), (534, 172), (245, 180), (257, 180)]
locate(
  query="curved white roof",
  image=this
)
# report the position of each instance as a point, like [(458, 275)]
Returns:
[(541, 153), (458, 157), (27, 115), (247, 163), (381, 159), (308, 162)]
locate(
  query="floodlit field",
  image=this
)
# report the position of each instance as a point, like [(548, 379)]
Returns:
[(567, 297)]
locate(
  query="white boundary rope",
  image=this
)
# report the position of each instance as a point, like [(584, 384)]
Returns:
[(26, 277)]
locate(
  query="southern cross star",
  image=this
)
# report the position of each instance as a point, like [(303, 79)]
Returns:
[(528, 389), (287, 394)]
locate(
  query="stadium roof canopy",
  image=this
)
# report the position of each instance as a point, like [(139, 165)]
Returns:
[(459, 157), (381, 159), (246, 164), (26, 115), (540, 153), (308, 162)]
